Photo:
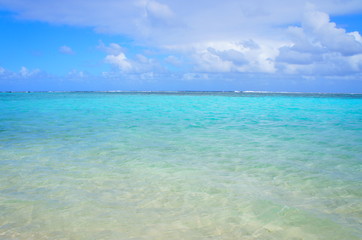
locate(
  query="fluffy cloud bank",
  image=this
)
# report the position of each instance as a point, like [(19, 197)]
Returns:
[(315, 47), (319, 47), (175, 21), (230, 36), (247, 56)]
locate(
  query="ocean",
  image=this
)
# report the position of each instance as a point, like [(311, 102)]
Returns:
[(180, 165)]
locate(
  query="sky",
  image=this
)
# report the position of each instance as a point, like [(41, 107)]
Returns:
[(170, 45)]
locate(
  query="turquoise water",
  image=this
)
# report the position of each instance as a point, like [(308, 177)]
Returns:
[(180, 166)]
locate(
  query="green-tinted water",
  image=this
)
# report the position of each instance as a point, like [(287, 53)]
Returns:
[(180, 166)]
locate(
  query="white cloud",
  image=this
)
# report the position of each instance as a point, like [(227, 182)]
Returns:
[(120, 60), (288, 55), (230, 55), (76, 74), (26, 73), (117, 57), (66, 50), (236, 56), (23, 73), (321, 33), (207, 61), (318, 47), (214, 36), (173, 21), (357, 36), (112, 48), (157, 9)]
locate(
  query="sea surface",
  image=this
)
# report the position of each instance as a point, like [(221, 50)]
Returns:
[(183, 165)]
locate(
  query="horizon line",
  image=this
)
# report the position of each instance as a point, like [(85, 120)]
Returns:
[(175, 91)]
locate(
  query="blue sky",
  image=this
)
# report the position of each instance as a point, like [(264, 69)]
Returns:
[(295, 45)]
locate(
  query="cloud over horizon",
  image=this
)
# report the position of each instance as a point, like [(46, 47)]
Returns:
[(205, 38)]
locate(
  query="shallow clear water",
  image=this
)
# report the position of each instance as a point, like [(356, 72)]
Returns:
[(180, 166)]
